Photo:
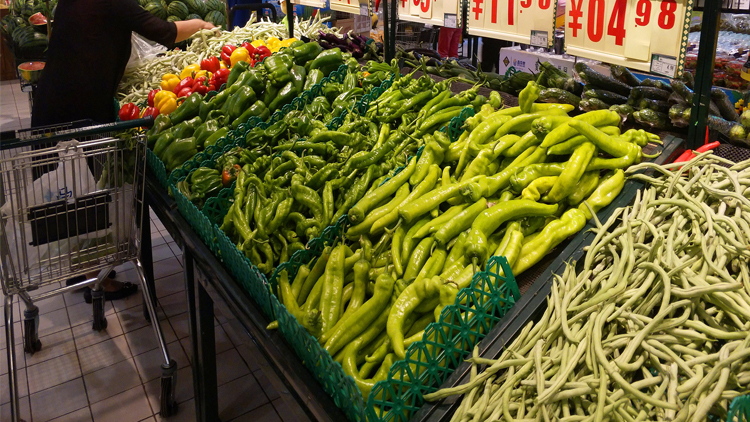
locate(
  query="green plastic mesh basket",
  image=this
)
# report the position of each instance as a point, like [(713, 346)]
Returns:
[(197, 220), (158, 167), (428, 362), (739, 410)]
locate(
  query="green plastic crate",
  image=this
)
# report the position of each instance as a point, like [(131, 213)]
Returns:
[(428, 362)]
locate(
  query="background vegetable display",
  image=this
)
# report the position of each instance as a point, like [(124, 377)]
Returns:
[(651, 325)]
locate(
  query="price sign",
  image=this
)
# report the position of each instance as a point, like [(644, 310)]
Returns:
[(450, 21), (664, 65), (539, 38), (348, 6), (627, 32), (512, 20), (429, 12), (319, 4), (364, 10)]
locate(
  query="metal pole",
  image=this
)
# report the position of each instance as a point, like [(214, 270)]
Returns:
[(290, 17), (704, 74), (386, 34), (394, 20)]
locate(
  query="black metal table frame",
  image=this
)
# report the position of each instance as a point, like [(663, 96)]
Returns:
[(220, 286)]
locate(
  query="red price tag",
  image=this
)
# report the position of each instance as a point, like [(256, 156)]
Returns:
[(625, 31)]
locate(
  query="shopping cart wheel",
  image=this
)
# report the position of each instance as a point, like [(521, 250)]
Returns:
[(168, 386), (100, 321), (31, 342)]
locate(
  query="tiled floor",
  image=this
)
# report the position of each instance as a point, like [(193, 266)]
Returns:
[(81, 375), (15, 111)]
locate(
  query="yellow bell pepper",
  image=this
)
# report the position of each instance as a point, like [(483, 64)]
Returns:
[(287, 42), (189, 69), (239, 54), (273, 44), (258, 43), (165, 101), (169, 81), (205, 73), (222, 65)]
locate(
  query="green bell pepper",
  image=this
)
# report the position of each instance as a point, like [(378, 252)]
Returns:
[(204, 131), (188, 109), (306, 52), (350, 81), (241, 101), (161, 123), (277, 67), (285, 96), (270, 93), (328, 61), (298, 77), (332, 90), (178, 152), (217, 102), (255, 80), (238, 69), (214, 138), (258, 109), (180, 131), (318, 107), (313, 77)]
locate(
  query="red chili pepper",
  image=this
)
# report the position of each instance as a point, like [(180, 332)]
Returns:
[(187, 82), (220, 77), (150, 112), (129, 111), (689, 154), (210, 64), (151, 96), (226, 52), (710, 146), (229, 174)]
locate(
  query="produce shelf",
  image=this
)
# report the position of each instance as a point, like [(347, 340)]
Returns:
[(535, 285)]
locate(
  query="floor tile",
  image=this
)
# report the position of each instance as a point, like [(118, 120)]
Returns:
[(265, 413), (157, 239), (222, 340), (161, 253), (80, 415), (73, 297), (185, 413), (251, 355), (181, 325), (268, 386), (84, 312), (59, 400), (86, 336), (183, 390), (53, 322), (53, 372), (289, 412), (171, 284), (149, 363), (112, 380), (230, 366), (239, 397), (176, 249), (167, 267), (104, 354), (20, 359), (130, 301), (144, 339), (52, 304), (25, 410), (23, 386), (53, 345), (174, 304), (132, 319), (129, 406)]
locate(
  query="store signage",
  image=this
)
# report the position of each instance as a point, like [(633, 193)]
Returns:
[(511, 20), (429, 12), (319, 4), (664, 65), (539, 38), (628, 32), (450, 21), (364, 10), (348, 6)]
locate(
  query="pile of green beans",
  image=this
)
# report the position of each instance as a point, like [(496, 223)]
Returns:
[(654, 324)]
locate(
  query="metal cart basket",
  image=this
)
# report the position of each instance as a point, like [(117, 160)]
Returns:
[(71, 201), (414, 35)]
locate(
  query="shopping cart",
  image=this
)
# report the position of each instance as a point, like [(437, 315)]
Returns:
[(414, 35), (81, 217)]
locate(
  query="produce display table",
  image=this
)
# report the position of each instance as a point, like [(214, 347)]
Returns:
[(220, 286)]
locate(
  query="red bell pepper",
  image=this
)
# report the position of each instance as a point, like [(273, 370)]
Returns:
[(220, 77), (185, 92), (151, 96), (249, 47), (150, 112), (129, 111), (226, 52), (203, 85), (210, 64), (187, 82), (262, 52)]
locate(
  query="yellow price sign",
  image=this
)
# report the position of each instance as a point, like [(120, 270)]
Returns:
[(348, 6), (512, 20), (627, 32), (430, 12)]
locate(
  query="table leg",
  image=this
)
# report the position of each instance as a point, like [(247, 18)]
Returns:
[(202, 341)]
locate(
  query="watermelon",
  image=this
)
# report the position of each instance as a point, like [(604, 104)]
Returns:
[(155, 9), (216, 18), (196, 6), (173, 18), (192, 16), (216, 5), (17, 6), (143, 3), (178, 8)]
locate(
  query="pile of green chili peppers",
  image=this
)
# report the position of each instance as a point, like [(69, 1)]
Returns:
[(516, 183)]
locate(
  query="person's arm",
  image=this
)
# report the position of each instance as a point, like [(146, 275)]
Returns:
[(187, 28)]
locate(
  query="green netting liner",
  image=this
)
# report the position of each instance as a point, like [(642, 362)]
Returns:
[(428, 362), (739, 410)]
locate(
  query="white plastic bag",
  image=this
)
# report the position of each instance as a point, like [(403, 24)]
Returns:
[(142, 50)]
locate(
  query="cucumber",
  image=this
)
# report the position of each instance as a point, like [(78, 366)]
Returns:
[(689, 79), (713, 109), (573, 86), (651, 93), (656, 105), (652, 118), (591, 104), (724, 104), (557, 95), (623, 74), (654, 83), (721, 125), (590, 76), (679, 115), (608, 97), (684, 92)]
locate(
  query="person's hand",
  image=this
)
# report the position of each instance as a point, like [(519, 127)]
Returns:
[(208, 25)]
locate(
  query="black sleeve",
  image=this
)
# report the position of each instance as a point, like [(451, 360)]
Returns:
[(137, 19)]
